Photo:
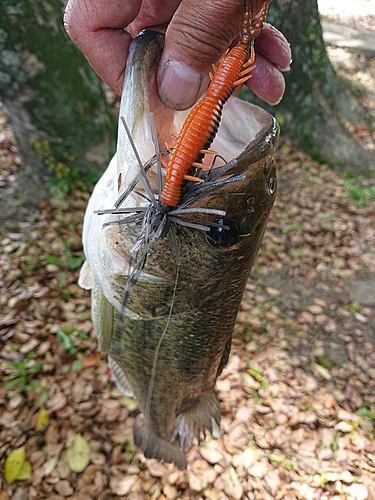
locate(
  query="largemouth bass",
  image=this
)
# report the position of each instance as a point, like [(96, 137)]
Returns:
[(169, 344)]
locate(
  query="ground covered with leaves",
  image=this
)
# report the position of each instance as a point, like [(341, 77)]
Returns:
[(298, 393)]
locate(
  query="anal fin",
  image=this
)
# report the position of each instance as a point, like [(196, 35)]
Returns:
[(203, 416)]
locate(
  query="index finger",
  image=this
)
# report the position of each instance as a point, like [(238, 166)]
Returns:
[(97, 28)]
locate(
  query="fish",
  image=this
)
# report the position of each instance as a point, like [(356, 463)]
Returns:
[(169, 339)]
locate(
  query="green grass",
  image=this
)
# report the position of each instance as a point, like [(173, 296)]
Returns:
[(67, 259), (22, 378), (64, 336), (360, 194)]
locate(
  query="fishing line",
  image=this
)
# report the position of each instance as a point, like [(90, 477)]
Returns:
[(156, 145), (153, 371)]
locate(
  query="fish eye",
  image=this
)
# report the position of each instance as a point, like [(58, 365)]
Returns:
[(225, 235)]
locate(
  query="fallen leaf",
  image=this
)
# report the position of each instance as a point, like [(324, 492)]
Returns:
[(211, 455), (13, 464), (122, 485), (50, 465), (92, 360), (323, 372), (249, 457), (307, 462), (42, 420), (358, 491), (344, 427), (25, 472), (130, 403), (78, 454)]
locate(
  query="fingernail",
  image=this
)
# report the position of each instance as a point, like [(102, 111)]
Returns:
[(275, 102), (178, 85), (285, 68)]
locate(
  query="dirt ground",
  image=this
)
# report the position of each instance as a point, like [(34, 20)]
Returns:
[(298, 393)]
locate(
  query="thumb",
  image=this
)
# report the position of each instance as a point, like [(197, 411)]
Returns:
[(199, 33)]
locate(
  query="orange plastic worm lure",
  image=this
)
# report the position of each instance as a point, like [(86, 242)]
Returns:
[(201, 126)]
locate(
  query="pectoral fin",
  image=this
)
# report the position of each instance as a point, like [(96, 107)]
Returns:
[(86, 278), (102, 317), (120, 378)]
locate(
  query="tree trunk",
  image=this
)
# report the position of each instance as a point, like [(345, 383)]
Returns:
[(54, 100), (315, 98)]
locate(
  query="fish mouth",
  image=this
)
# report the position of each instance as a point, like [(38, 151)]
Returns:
[(240, 126)]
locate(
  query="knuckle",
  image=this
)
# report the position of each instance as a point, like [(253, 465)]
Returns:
[(204, 33)]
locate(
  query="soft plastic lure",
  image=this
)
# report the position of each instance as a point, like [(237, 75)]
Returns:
[(201, 126)]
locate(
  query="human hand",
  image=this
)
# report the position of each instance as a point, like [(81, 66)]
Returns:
[(197, 33)]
